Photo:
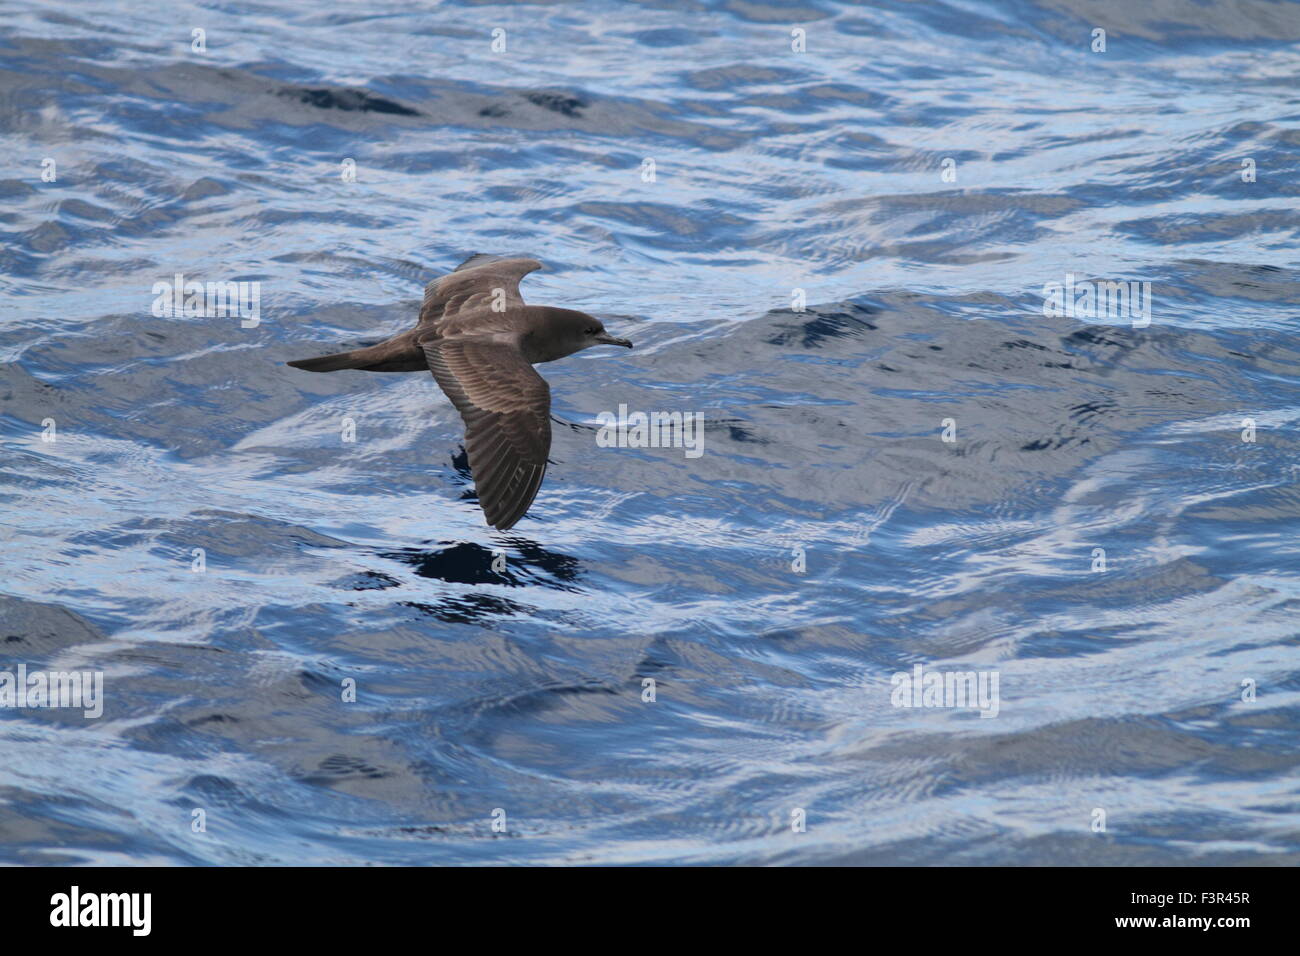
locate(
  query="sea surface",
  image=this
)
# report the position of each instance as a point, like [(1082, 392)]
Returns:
[(838, 233)]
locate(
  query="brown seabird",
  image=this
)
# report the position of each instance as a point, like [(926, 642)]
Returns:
[(481, 342)]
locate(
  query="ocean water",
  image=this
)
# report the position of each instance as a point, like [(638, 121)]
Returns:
[(836, 234)]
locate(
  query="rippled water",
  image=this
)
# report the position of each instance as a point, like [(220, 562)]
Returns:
[(828, 538)]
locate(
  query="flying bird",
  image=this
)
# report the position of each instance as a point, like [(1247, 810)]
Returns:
[(481, 342)]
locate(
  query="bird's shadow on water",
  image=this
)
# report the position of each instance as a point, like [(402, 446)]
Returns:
[(465, 562), (468, 563)]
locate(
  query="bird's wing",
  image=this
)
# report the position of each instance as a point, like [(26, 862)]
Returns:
[(506, 406), (481, 282)]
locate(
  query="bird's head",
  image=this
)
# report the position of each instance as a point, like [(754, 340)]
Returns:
[(565, 331)]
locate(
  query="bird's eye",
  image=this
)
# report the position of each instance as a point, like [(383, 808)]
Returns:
[(591, 331)]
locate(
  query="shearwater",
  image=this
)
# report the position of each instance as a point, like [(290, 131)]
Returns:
[(480, 341)]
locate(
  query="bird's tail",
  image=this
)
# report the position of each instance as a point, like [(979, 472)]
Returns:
[(332, 363)]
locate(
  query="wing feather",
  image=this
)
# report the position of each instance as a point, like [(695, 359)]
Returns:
[(480, 283), (506, 407)]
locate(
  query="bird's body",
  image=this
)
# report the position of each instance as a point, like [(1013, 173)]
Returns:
[(480, 341)]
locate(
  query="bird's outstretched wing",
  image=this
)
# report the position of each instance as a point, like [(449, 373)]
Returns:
[(480, 283), (506, 406)]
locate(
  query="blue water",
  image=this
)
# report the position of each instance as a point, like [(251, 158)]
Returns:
[(828, 538)]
